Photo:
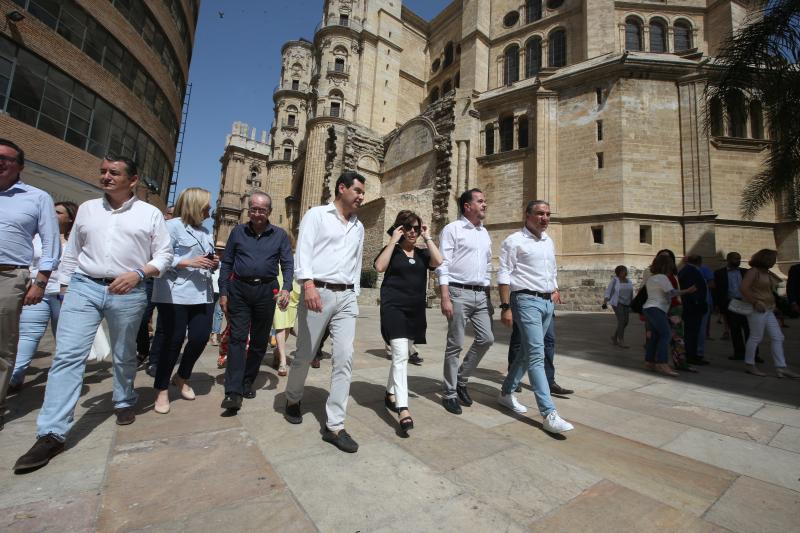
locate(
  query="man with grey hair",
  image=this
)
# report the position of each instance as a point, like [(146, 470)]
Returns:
[(248, 285), (528, 289)]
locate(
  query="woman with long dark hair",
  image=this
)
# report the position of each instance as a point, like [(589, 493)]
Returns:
[(34, 318), (403, 293)]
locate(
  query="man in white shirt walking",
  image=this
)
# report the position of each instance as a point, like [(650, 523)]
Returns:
[(528, 289), (116, 242), (328, 268), (464, 281)]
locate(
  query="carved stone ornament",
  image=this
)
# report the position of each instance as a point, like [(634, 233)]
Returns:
[(326, 43)]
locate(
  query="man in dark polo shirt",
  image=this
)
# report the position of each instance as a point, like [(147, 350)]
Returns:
[(248, 287)]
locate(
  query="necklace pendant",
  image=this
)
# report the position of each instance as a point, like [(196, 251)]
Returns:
[(411, 260)]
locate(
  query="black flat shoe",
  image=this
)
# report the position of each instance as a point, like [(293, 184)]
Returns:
[(292, 413), (451, 404), (232, 402), (249, 391), (390, 404), (415, 359), (341, 440), (463, 395), (46, 448)]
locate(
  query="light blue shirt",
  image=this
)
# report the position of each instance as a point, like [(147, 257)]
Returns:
[(185, 286), (24, 212)]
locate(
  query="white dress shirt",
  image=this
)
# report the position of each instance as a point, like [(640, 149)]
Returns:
[(190, 285), (528, 262), (466, 254), (106, 242), (329, 248), (53, 285)]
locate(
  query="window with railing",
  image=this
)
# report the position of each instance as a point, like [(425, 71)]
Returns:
[(79, 28), (42, 96)]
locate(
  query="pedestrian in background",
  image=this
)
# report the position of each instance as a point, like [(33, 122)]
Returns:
[(619, 293)]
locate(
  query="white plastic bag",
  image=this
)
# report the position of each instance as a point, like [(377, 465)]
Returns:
[(101, 348)]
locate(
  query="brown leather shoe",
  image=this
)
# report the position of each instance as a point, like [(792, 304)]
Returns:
[(125, 416)]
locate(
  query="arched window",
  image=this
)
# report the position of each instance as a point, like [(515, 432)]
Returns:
[(287, 150), (522, 134), (434, 94), (683, 36), (533, 57), (447, 86), (715, 113), (557, 48), (756, 120), (511, 65), (507, 133), (633, 34), (448, 54), (533, 10), (658, 36), (737, 115), (489, 139)]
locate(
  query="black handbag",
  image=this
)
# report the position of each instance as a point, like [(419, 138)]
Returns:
[(637, 304)]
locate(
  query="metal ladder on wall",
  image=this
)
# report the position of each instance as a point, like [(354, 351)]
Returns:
[(176, 170)]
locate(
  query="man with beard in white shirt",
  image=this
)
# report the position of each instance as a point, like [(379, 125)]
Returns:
[(117, 242), (464, 281), (328, 268), (526, 281)]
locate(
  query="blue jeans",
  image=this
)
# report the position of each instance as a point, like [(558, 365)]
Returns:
[(85, 305), (657, 346), (549, 349), (532, 315), (32, 325), (216, 325)]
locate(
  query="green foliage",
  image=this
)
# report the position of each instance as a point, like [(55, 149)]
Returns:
[(369, 277)]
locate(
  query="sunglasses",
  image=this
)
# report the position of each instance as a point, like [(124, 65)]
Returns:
[(409, 227)]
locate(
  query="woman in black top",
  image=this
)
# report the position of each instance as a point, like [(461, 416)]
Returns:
[(403, 302)]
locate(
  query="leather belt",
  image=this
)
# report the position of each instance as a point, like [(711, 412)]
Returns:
[(254, 281), (542, 295), (102, 281), (336, 287), (9, 268), (476, 288)]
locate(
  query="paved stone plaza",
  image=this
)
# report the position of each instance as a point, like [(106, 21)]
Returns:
[(710, 451)]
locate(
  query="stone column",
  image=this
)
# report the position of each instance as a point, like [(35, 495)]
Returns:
[(546, 179), (515, 142), (462, 180), (695, 155), (314, 168), (496, 137)]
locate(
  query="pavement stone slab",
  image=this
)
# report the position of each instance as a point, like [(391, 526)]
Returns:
[(75, 511), (788, 438), (686, 393), (781, 415), (753, 506), (759, 461)]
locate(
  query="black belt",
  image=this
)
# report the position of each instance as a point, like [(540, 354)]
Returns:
[(542, 295), (255, 281), (8, 268), (102, 281), (336, 287), (476, 288)]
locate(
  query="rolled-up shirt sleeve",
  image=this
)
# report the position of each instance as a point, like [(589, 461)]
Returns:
[(48, 232), (305, 248), (507, 262), (446, 247), (160, 245)]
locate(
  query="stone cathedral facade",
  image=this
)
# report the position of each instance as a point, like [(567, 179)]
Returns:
[(596, 106)]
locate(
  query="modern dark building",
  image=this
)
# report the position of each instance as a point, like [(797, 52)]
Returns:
[(83, 78)]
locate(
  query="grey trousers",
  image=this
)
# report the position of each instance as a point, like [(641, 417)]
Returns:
[(339, 313), (475, 307), (13, 285)]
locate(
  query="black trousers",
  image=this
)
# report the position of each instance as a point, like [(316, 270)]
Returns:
[(691, 330), (177, 319), (250, 311), (157, 342), (740, 331), (143, 336)]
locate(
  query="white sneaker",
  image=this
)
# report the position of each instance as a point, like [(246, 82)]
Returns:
[(555, 424), (510, 401)]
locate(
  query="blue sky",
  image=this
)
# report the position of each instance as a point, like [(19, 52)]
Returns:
[(235, 65)]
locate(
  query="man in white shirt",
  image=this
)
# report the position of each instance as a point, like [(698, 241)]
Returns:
[(328, 268), (528, 289), (116, 242), (464, 280)]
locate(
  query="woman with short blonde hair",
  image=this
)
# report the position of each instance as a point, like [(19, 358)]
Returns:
[(184, 295)]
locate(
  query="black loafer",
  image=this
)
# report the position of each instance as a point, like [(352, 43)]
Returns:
[(232, 402), (125, 416), (341, 440), (463, 395), (415, 359), (40, 453), (292, 413), (555, 388), (451, 404), (249, 391)]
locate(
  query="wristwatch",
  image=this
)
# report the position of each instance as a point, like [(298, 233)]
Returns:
[(505, 306), (39, 283)]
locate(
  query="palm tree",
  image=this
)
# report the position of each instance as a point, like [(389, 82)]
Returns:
[(762, 60)]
